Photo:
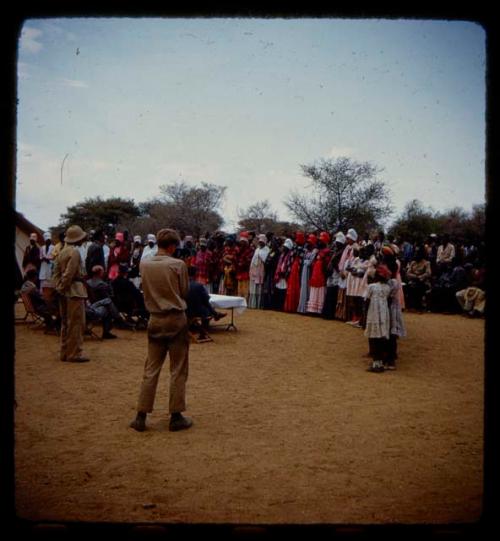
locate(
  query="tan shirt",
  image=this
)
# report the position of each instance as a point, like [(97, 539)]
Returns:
[(165, 283), (67, 275), (445, 254)]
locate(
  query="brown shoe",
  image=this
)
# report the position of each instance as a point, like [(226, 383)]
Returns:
[(77, 360), (179, 422)]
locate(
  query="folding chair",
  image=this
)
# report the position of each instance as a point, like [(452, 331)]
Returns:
[(31, 316)]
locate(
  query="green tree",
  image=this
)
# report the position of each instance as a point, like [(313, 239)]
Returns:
[(193, 210), (96, 213), (415, 223), (344, 193)]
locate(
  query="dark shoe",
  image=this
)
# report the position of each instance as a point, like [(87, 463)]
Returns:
[(139, 423), (219, 315), (77, 360), (108, 336), (376, 366), (179, 423)]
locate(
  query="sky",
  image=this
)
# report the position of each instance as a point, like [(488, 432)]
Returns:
[(120, 106)]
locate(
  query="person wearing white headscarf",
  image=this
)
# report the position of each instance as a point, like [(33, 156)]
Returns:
[(46, 267), (256, 272), (151, 248), (333, 277), (135, 259), (281, 275), (346, 258)]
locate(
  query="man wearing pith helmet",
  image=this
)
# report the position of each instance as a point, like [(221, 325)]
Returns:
[(68, 281)]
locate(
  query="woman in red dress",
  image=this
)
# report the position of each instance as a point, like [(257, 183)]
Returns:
[(293, 289)]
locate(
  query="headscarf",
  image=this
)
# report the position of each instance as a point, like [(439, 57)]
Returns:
[(351, 234)]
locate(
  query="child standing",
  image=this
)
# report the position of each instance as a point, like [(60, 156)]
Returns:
[(395, 311), (378, 318)]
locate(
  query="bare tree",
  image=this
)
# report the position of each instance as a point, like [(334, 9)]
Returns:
[(259, 217), (344, 193)]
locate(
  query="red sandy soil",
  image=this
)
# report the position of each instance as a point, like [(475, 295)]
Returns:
[(289, 427)]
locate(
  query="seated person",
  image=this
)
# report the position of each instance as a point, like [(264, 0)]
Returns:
[(101, 297), (418, 276), (472, 299), (102, 311), (48, 311), (127, 298), (199, 307), (453, 278)]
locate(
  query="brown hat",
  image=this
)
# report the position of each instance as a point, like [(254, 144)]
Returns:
[(74, 234), (167, 236)]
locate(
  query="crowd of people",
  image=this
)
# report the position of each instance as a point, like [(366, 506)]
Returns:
[(165, 284), (317, 273)]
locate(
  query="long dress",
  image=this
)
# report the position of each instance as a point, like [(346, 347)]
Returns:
[(293, 286), (256, 274), (309, 256), (341, 308), (46, 267), (269, 271), (317, 283), (378, 319), (332, 285)]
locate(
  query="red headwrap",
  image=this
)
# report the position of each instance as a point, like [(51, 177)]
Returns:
[(324, 237), (300, 238), (383, 270), (312, 239)]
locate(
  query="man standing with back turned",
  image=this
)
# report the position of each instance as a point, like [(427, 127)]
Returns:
[(165, 284)]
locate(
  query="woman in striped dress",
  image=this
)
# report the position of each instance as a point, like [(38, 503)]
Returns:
[(341, 308), (309, 257), (355, 288)]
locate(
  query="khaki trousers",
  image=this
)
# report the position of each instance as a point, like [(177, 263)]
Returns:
[(72, 326), (166, 334)]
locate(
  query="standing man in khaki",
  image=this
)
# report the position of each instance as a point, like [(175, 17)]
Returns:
[(165, 284), (69, 285)]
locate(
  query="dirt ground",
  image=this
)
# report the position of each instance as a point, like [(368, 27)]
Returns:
[(289, 428)]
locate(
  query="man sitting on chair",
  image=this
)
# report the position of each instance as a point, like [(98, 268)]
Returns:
[(127, 298), (48, 312), (199, 307), (101, 302)]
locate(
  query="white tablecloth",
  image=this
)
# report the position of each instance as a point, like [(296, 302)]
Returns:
[(225, 301)]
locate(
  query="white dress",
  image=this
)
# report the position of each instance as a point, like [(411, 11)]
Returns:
[(396, 313), (46, 267), (378, 319)]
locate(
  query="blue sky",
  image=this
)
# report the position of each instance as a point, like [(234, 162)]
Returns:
[(135, 103)]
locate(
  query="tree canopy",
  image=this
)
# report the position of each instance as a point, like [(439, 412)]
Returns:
[(417, 222), (344, 193), (98, 213)]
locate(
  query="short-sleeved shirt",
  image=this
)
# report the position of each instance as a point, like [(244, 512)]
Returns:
[(165, 283)]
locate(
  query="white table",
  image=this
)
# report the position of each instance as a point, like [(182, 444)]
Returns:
[(227, 302)]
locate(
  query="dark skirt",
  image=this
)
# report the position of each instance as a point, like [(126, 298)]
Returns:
[(330, 302)]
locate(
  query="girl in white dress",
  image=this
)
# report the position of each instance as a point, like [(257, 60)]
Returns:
[(378, 320)]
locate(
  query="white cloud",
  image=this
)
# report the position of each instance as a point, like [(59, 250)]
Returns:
[(29, 40), (339, 151), (73, 83)]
